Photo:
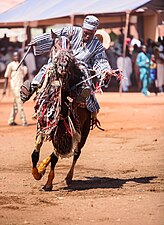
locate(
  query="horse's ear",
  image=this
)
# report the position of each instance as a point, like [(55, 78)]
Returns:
[(53, 35)]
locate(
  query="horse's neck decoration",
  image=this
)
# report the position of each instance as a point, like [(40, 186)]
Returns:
[(53, 109), (59, 118)]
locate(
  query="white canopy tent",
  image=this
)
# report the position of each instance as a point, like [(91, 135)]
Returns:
[(40, 12)]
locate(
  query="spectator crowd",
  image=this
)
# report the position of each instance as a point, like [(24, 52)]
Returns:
[(143, 64), (33, 63)]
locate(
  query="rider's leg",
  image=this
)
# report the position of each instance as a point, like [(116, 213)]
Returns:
[(84, 89)]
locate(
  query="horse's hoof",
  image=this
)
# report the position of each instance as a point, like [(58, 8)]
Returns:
[(47, 188), (35, 174), (68, 181)]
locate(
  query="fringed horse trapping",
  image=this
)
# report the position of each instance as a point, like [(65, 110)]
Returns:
[(59, 117)]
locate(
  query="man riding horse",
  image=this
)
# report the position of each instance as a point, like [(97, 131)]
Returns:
[(60, 119), (88, 51)]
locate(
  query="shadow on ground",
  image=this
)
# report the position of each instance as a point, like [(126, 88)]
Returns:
[(105, 182)]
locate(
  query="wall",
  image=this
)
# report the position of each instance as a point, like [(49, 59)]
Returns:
[(150, 25)]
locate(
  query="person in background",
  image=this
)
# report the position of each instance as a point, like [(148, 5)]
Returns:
[(2, 62), (113, 36), (125, 64), (160, 44), (150, 46), (134, 41), (135, 67), (143, 63), (121, 38), (112, 57), (16, 81), (159, 55), (153, 73), (4, 42), (9, 55)]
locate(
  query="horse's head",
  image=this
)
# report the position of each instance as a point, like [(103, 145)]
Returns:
[(65, 64), (61, 54)]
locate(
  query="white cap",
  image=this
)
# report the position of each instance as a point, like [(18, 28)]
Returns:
[(91, 23)]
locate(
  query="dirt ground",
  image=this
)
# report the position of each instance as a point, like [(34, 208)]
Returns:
[(118, 178)]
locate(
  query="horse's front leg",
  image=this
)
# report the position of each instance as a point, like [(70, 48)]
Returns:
[(35, 157), (48, 186), (84, 118)]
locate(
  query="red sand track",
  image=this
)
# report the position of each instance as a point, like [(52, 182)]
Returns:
[(118, 178)]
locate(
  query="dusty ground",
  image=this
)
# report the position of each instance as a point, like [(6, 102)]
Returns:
[(118, 178)]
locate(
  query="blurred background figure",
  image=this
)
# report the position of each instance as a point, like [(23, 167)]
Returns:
[(105, 39), (121, 38), (4, 42), (153, 74), (159, 55), (135, 67), (112, 57), (160, 44), (150, 46), (135, 41), (125, 65), (143, 63), (16, 81), (9, 54), (2, 62), (112, 35)]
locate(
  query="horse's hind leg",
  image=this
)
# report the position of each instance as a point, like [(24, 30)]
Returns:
[(69, 176), (48, 186), (35, 157)]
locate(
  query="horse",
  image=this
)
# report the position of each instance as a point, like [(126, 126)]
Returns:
[(60, 118)]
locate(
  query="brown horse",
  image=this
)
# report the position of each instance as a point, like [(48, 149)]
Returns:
[(59, 117)]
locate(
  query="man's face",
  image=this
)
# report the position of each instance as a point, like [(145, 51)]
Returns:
[(16, 56), (88, 35), (144, 49)]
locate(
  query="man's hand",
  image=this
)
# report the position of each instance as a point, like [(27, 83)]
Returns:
[(26, 91), (32, 43), (116, 73), (3, 94)]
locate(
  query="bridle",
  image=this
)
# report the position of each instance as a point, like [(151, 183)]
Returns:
[(61, 57)]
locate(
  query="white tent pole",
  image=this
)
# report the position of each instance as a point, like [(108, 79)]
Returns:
[(124, 45)]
